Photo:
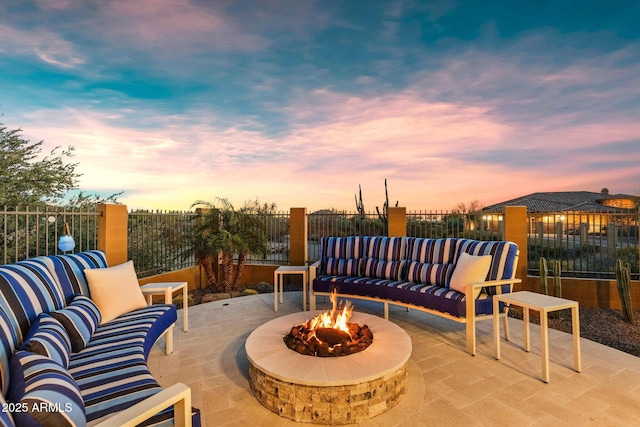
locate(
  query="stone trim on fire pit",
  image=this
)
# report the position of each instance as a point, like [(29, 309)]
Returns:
[(334, 390)]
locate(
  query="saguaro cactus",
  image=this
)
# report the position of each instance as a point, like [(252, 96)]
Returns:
[(623, 279), (544, 272), (557, 281)]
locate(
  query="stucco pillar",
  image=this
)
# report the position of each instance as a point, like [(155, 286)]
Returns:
[(397, 222), (515, 230), (298, 236), (112, 232)]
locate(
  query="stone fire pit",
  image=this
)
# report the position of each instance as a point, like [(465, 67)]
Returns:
[(334, 390)]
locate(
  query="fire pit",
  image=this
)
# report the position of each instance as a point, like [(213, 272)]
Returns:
[(328, 390), (330, 333)]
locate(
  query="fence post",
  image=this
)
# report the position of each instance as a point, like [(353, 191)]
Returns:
[(515, 230), (112, 232), (397, 222), (298, 236)]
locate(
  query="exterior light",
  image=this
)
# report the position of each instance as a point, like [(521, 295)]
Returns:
[(66, 242)]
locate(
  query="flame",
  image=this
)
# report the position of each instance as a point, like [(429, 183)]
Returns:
[(336, 318)]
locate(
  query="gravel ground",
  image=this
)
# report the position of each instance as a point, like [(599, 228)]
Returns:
[(604, 326)]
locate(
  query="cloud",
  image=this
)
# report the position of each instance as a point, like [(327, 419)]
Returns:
[(45, 45)]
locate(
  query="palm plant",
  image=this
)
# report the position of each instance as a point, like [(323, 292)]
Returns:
[(222, 232)]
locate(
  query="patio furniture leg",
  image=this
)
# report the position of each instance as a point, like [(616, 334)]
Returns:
[(544, 343), (525, 319), (575, 330), (496, 329)]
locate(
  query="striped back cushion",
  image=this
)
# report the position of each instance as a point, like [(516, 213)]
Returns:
[(26, 290), (385, 248), (39, 382), (343, 266), (503, 262), (432, 251), (10, 340), (48, 337), (69, 270), (429, 274), (346, 248), (380, 269)]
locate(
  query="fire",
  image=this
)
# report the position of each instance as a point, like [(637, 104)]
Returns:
[(336, 318), (330, 334)]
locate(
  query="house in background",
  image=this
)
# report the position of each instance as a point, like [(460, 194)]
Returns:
[(575, 212)]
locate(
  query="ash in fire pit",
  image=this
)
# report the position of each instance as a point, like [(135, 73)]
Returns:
[(330, 334)]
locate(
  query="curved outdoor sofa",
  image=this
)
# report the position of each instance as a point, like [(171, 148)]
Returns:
[(419, 273), (59, 366)]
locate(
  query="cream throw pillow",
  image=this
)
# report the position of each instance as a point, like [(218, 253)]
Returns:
[(469, 269), (115, 290)]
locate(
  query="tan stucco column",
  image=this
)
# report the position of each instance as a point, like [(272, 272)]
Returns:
[(515, 230), (112, 232), (397, 222), (298, 236)]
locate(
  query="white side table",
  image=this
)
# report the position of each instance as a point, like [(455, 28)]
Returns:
[(168, 289), (278, 282), (543, 304)]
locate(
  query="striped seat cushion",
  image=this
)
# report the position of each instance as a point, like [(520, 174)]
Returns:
[(49, 394), (111, 371)]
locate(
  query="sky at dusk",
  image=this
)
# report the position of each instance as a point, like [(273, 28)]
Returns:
[(298, 102)]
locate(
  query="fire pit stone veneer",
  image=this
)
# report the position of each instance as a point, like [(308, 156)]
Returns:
[(334, 390)]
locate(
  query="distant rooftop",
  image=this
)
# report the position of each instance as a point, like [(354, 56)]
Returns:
[(562, 201)]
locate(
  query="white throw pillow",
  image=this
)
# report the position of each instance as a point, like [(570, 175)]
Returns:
[(115, 290), (469, 269)]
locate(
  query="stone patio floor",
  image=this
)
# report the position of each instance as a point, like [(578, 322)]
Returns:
[(447, 386)]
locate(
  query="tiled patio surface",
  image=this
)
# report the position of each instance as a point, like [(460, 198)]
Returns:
[(447, 387)]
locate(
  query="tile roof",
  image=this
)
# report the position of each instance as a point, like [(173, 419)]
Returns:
[(560, 201)]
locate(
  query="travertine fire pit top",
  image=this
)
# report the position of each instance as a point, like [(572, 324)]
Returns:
[(390, 350)]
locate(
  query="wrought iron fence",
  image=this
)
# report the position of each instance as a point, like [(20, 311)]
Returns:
[(339, 224), (440, 224), (29, 232), (157, 241), (587, 243), (277, 229)]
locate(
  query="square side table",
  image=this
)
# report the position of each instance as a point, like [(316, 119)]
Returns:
[(168, 289), (278, 282), (544, 304)]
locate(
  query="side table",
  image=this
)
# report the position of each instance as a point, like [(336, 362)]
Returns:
[(168, 289), (544, 304), (278, 282)]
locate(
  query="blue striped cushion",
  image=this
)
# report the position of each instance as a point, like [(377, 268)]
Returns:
[(385, 248), (503, 258), (69, 269), (432, 251), (342, 247), (80, 319), (48, 391), (6, 420), (10, 339), (48, 337), (378, 269), (343, 267), (429, 274), (27, 290)]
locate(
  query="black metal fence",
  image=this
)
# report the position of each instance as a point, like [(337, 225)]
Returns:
[(157, 241), (30, 232), (587, 243)]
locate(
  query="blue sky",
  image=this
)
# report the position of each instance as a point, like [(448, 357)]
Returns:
[(298, 102)]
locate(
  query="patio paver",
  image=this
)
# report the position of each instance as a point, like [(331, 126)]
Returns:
[(447, 386)]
